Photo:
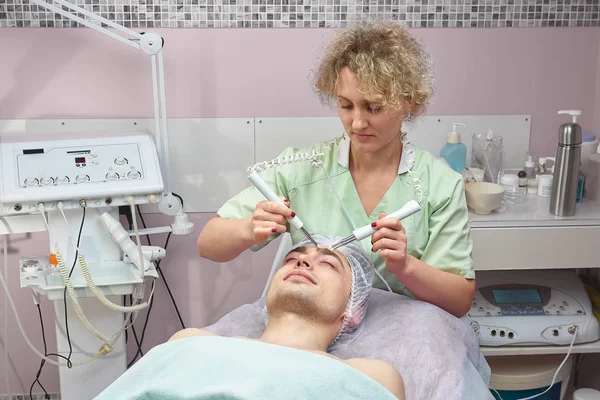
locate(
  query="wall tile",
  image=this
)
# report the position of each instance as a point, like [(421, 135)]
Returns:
[(314, 13)]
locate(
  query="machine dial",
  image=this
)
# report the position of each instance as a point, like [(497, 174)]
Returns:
[(82, 178), (31, 181), (47, 180), (111, 176), (121, 161), (62, 179), (134, 174)]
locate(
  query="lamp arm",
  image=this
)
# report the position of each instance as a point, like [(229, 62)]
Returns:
[(89, 24), (151, 44)]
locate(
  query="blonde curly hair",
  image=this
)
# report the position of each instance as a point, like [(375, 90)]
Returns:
[(392, 67)]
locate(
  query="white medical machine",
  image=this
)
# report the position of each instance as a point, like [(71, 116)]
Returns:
[(70, 184), (532, 308)]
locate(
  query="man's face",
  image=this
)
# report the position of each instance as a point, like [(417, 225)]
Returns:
[(314, 282)]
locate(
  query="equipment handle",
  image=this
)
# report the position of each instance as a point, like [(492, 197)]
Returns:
[(262, 187), (407, 210)]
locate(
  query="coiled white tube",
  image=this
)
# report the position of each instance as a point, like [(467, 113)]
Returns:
[(75, 302), (100, 296), (314, 157)]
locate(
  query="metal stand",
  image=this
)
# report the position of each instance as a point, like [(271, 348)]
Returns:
[(114, 277), (76, 382)]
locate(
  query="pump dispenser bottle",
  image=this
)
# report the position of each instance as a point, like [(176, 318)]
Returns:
[(455, 152), (566, 169)]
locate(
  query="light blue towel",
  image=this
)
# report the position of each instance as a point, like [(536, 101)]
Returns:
[(214, 367)]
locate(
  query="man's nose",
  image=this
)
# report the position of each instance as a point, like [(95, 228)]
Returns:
[(304, 261)]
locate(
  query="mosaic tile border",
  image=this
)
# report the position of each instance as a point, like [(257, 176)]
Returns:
[(314, 13)]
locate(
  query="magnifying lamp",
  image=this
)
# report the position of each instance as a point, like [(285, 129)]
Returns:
[(151, 44)]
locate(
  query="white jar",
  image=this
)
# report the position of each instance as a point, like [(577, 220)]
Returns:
[(532, 186), (545, 185), (510, 182)]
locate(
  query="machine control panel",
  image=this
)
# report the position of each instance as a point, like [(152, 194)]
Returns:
[(100, 169), (524, 308), (522, 300), (68, 165)]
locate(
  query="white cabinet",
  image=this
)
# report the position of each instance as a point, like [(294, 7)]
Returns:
[(527, 236)]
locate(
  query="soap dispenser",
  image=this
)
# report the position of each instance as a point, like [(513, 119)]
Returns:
[(455, 152), (566, 171)]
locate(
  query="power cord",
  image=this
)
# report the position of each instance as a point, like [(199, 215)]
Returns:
[(69, 364), (37, 377), (68, 359), (139, 345), (158, 264), (179, 197), (127, 212), (141, 341)]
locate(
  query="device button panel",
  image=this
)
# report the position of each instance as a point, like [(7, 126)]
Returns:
[(480, 307), (563, 304), (560, 304), (522, 310), (68, 165)]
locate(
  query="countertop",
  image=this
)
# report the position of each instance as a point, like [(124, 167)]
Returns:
[(534, 212)]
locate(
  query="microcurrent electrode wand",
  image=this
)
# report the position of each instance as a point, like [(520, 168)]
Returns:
[(260, 184), (359, 234)]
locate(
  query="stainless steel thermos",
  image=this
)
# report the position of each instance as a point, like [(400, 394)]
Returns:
[(566, 167)]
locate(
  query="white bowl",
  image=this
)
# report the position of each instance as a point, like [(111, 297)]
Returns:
[(483, 197)]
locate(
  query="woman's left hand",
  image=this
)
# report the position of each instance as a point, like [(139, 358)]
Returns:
[(390, 240)]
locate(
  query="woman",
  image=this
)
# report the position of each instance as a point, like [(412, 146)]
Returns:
[(379, 77)]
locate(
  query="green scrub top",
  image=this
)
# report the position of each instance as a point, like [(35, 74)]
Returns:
[(438, 235)]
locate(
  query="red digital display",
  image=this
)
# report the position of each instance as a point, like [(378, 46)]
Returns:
[(79, 160)]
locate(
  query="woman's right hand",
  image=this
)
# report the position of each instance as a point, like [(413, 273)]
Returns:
[(269, 218)]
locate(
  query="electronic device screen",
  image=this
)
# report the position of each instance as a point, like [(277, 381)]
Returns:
[(517, 296)]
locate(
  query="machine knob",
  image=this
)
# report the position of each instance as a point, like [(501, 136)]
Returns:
[(31, 181), (47, 180), (121, 160), (62, 179), (111, 176), (134, 174), (82, 178)]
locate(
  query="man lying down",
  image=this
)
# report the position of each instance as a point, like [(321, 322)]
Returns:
[(317, 297)]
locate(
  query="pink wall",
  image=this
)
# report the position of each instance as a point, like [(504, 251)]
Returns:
[(236, 73), (77, 73)]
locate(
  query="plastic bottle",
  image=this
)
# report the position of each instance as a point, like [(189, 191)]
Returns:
[(545, 185), (455, 152), (545, 177), (530, 165), (591, 189), (522, 185), (589, 144)]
